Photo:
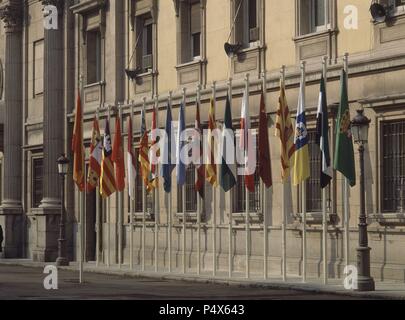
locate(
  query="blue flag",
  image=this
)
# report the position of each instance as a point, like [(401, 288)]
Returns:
[(167, 166), (180, 166)]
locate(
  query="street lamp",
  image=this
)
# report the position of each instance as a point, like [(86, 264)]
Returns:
[(360, 125), (63, 166)]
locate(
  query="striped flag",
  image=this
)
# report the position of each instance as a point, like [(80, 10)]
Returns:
[(96, 154), (244, 140), (78, 147), (322, 138), (200, 181), (107, 181), (285, 131), (131, 161), (154, 151), (167, 167), (180, 166), (210, 166), (301, 159), (227, 175), (144, 154), (117, 156), (264, 148)]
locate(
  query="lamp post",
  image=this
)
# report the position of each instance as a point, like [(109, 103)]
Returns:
[(63, 166), (360, 125)]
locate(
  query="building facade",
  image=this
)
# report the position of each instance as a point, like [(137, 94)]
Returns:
[(169, 46)]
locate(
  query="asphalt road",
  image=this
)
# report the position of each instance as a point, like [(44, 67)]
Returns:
[(27, 283)]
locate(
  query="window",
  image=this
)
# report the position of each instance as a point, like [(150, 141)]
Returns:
[(314, 192), (38, 67), (191, 193), (393, 166), (399, 5), (195, 30), (93, 51), (37, 182), (313, 16), (139, 190), (246, 22), (145, 43), (239, 191)]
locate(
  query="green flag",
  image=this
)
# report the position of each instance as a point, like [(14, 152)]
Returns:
[(227, 178), (344, 154)]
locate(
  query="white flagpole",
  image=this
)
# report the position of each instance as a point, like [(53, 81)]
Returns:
[(98, 220), (183, 191), (284, 212), (157, 195), (169, 217), (325, 216), (346, 187), (199, 200), (81, 201), (143, 205), (303, 199), (247, 217), (120, 205), (230, 246), (264, 193), (108, 209), (131, 204), (214, 210)]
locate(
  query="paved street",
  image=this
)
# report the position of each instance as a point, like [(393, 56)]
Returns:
[(18, 282)]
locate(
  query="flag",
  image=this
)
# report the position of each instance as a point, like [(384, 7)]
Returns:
[(118, 156), (180, 166), (107, 181), (154, 151), (131, 161), (322, 138), (200, 181), (285, 131), (167, 167), (144, 154), (344, 153), (244, 140), (78, 147), (301, 159), (96, 154), (263, 145), (227, 169), (210, 166)]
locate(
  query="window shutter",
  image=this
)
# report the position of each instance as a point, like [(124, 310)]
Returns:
[(239, 22), (195, 15), (185, 32), (305, 16)]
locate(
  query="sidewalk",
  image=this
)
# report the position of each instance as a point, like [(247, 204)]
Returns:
[(384, 290)]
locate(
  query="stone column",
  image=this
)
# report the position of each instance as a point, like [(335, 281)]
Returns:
[(11, 12), (53, 124)]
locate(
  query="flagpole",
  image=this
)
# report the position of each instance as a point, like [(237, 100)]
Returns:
[(143, 208), (82, 200), (108, 210), (247, 204), (324, 213), (131, 204), (156, 193), (304, 196), (120, 204), (214, 211), (198, 200), (230, 246), (346, 185), (98, 220), (284, 209), (263, 191), (169, 217), (183, 193)]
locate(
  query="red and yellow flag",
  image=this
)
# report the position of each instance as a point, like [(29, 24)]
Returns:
[(210, 166), (285, 131), (144, 155), (96, 154), (107, 181), (78, 147), (117, 156)]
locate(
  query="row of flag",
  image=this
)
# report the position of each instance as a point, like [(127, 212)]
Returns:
[(107, 160)]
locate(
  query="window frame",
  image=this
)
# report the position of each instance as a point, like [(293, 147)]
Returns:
[(34, 158), (98, 52)]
